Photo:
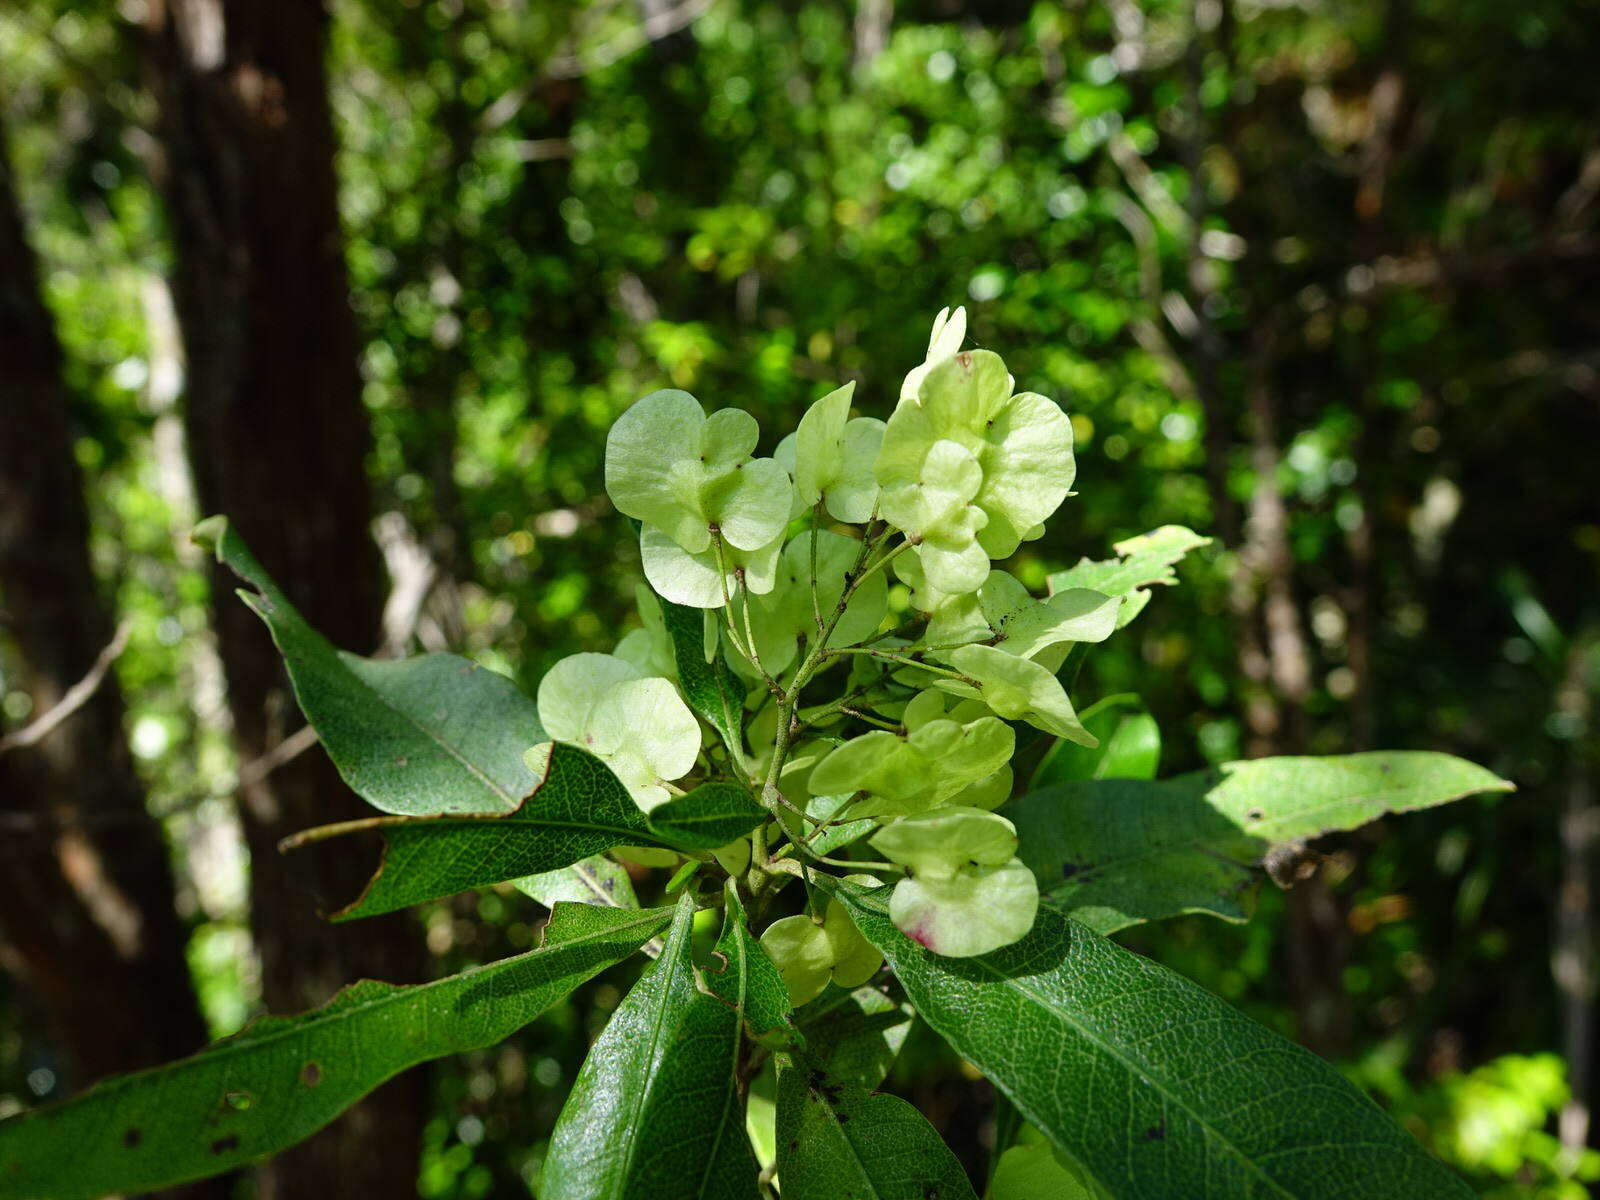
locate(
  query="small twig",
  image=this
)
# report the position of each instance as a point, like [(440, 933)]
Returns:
[(75, 697), (816, 605), (727, 602), (880, 563), (291, 748), (870, 719), (750, 634), (905, 661), (652, 29)]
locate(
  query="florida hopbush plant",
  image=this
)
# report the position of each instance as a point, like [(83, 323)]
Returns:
[(822, 817)]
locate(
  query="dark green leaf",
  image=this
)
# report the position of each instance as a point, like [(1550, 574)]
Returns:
[(711, 689), (1130, 746), (742, 974), (579, 810), (283, 1078), (436, 734), (856, 1035), (1116, 853), (836, 1139), (712, 815), (655, 1110), (1141, 562), (1154, 1085)]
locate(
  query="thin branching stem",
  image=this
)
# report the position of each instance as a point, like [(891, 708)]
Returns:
[(816, 522), (905, 660)]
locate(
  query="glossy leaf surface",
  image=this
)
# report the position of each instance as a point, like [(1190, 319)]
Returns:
[(710, 816), (655, 1110), (856, 1035), (837, 1140), (1119, 852), (580, 810), (710, 687), (1154, 1085), (415, 736), (741, 974), (283, 1078)]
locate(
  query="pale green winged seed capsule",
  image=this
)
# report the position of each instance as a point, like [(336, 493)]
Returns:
[(674, 468), (803, 954), (988, 793), (646, 734), (638, 726), (1018, 689), (808, 955), (1021, 445), (831, 458), (977, 910), (937, 758), (692, 579), (935, 509), (570, 690), (855, 960), (937, 844), (949, 331), (965, 892), (1003, 614)]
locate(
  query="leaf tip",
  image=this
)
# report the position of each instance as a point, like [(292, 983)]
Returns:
[(208, 534)]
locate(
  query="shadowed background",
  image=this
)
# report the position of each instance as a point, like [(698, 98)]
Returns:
[(1316, 278)]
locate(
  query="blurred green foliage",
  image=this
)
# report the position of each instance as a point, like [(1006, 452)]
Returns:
[(1377, 213)]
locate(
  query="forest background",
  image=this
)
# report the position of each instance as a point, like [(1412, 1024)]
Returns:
[(1316, 277)]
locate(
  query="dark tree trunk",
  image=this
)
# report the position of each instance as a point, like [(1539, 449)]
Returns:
[(278, 437), (86, 893)]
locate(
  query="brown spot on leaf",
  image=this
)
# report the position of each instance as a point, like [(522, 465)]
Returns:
[(311, 1074), (132, 1137), (1156, 1132), (224, 1144), (1255, 814)]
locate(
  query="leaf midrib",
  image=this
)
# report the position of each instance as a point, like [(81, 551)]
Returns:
[(1264, 833), (624, 832), (301, 1022), (657, 1023), (855, 1155), (738, 1035), (339, 656), (511, 800), (1130, 1066), (587, 877)]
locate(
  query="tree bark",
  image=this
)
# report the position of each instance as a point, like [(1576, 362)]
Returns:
[(277, 436), (87, 919)]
